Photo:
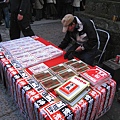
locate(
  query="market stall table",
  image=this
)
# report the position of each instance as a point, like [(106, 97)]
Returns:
[(33, 100)]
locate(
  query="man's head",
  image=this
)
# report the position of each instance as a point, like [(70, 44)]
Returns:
[(68, 23)]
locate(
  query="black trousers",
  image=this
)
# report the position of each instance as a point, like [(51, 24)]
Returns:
[(17, 26), (38, 14), (0, 38), (87, 56)]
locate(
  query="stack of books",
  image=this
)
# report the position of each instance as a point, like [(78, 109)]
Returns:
[(31, 51), (66, 74), (96, 75), (51, 83), (35, 69), (42, 76), (77, 65), (58, 68), (73, 90)]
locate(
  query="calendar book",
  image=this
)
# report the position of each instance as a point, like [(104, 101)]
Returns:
[(72, 87), (77, 65), (51, 83), (77, 98), (69, 62), (66, 74), (42, 76), (95, 75), (58, 68)]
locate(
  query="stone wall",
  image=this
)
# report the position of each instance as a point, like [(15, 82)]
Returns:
[(102, 12), (103, 8)]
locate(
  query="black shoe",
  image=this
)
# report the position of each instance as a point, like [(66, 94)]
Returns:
[(0, 23), (0, 38)]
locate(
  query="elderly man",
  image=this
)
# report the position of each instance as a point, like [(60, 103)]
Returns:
[(81, 32)]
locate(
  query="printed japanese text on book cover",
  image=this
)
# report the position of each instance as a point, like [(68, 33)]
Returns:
[(96, 75), (72, 87)]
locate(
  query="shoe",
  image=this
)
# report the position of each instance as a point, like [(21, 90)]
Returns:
[(3, 24), (0, 38), (7, 31), (0, 22)]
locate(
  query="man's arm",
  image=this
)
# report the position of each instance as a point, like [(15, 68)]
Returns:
[(65, 41), (91, 33), (24, 7)]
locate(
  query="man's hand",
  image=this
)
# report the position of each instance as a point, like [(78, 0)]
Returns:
[(7, 1), (20, 17), (79, 49)]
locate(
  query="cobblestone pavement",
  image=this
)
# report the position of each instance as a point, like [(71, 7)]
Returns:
[(51, 31)]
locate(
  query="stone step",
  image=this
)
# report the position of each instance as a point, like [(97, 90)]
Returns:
[(103, 8)]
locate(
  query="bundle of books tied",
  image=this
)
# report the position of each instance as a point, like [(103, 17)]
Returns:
[(73, 90), (96, 75)]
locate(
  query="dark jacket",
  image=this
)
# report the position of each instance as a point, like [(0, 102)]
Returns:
[(20, 6), (3, 4), (88, 28)]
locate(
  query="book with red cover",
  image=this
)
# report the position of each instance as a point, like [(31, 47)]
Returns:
[(72, 87), (96, 75)]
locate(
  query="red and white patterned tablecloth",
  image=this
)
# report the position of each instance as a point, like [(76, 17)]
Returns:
[(37, 104)]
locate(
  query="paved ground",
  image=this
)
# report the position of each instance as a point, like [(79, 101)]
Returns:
[(51, 31)]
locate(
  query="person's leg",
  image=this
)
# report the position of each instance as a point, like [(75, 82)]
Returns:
[(70, 8), (60, 9), (53, 11), (7, 17), (47, 9), (84, 2), (37, 15), (14, 27), (25, 26), (0, 38), (70, 52), (1, 17), (82, 5), (86, 56), (40, 14)]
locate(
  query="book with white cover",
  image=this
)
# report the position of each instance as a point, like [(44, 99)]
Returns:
[(38, 68), (72, 87), (76, 99)]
